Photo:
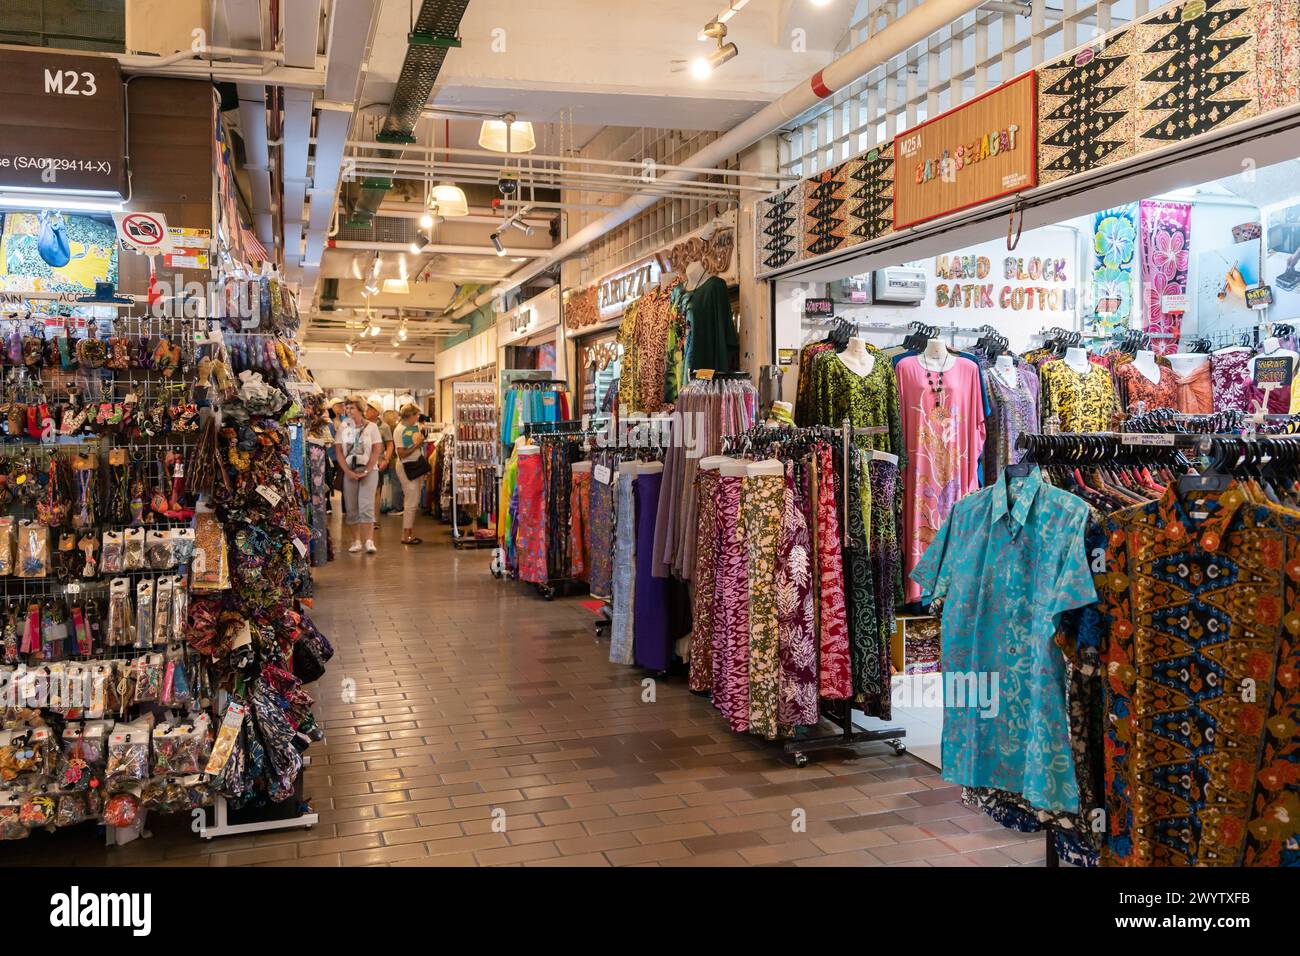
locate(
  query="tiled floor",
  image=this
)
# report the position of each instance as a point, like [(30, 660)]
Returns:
[(470, 723)]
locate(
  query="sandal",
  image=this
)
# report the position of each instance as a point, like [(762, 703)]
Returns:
[(412, 541)]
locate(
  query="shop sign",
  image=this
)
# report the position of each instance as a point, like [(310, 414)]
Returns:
[(1274, 371), (63, 123), (521, 319), (621, 289), (1006, 284), (979, 151), (1260, 297), (818, 308), (786, 356), (189, 248), (715, 250)]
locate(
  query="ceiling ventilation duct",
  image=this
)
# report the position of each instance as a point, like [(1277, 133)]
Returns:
[(435, 32)]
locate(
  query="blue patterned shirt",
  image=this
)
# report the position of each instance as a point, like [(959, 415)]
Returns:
[(1006, 565)]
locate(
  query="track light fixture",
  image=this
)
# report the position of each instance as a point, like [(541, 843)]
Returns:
[(496, 244), (702, 66)]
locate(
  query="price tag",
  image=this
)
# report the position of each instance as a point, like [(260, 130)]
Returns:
[(601, 474), (1161, 440), (199, 562), (73, 588), (884, 456), (302, 548), (704, 374), (270, 494)]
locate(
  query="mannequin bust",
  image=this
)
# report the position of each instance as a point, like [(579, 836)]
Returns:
[(1145, 362), (857, 358), (1005, 368), (936, 357), (1272, 348), (1077, 359), (1185, 363), (695, 274)]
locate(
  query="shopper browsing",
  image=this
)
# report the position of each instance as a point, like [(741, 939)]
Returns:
[(408, 451), (358, 449), (375, 415)]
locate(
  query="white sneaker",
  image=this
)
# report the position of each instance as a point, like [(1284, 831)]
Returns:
[(356, 548), (370, 547)]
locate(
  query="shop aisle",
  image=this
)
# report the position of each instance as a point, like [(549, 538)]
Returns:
[(473, 694)]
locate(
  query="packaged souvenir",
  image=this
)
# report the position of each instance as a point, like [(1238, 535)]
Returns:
[(122, 809), (164, 590), (36, 811), (113, 560), (11, 827), (182, 540), (33, 549), (210, 565), (158, 549), (180, 610), (144, 613), (121, 615), (179, 749), (73, 808), (6, 545), (128, 756), (148, 677), (133, 552)]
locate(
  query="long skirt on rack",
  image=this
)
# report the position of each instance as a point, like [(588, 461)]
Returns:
[(651, 637), (706, 489), (795, 610), (834, 678), (600, 572), (869, 575), (730, 608), (579, 525), (761, 513), (623, 580), (320, 542), (531, 524), (559, 477)]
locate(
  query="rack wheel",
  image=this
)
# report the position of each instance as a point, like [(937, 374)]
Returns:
[(900, 748), (801, 760), (546, 591)]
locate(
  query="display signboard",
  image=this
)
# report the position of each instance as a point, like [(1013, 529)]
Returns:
[(1260, 297), (62, 126), (979, 151), (818, 308), (1274, 371)]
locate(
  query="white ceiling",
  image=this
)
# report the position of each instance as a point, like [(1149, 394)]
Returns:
[(611, 63)]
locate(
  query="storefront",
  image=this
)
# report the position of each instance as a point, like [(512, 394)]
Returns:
[(164, 459), (986, 278)]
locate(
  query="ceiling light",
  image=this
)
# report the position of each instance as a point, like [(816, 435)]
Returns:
[(374, 331), (496, 244), (350, 348), (702, 66), (820, 3), (369, 289), (426, 221), (397, 287), (526, 229), (401, 333), (449, 199), (415, 248), (493, 136)]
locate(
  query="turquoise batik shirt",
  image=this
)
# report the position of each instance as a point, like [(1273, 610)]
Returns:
[(1006, 565)]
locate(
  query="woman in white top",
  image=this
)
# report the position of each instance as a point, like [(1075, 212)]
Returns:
[(358, 448), (408, 447)]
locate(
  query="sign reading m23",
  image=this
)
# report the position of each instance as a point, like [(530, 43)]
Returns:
[(70, 82)]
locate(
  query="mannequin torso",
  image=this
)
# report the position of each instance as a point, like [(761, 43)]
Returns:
[(1077, 359), (936, 357), (695, 274), (857, 359), (1005, 368), (1145, 362)]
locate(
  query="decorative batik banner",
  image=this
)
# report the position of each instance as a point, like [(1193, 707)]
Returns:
[(1114, 247), (1165, 238), (778, 226), (823, 211)]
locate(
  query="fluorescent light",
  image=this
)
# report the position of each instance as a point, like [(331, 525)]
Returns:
[(492, 135), (449, 199), (496, 244), (59, 201)]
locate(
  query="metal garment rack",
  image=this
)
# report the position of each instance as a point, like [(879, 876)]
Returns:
[(850, 734)]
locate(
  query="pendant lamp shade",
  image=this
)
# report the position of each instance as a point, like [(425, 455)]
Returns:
[(450, 200), (493, 136)]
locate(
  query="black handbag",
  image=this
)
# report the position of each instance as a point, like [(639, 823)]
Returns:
[(417, 469)]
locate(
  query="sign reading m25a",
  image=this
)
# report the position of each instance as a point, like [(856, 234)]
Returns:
[(62, 124)]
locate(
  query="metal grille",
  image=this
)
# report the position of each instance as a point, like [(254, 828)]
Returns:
[(969, 56), (382, 229), (67, 24)]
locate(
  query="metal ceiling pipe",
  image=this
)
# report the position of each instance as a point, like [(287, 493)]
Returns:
[(899, 36), (451, 249)]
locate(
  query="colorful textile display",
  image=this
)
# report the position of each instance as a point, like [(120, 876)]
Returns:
[(1165, 231)]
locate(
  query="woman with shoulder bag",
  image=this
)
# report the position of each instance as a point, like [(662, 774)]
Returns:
[(358, 449), (412, 466)]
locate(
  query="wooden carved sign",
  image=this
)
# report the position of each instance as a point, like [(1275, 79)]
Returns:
[(715, 253), (979, 151)]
